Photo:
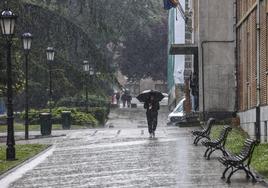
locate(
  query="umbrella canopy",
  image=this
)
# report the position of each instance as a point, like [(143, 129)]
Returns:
[(145, 95)]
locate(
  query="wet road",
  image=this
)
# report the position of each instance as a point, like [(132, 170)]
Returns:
[(122, 155)]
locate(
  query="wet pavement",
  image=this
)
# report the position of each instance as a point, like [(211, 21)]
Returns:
[(122, 155)]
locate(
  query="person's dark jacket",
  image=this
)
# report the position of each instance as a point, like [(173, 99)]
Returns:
[(124, 97), (155, 106)]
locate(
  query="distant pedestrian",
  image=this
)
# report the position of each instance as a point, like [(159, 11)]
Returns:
[(129, 98), (194, 91), (124, 99), (118, 98), (152, 107)]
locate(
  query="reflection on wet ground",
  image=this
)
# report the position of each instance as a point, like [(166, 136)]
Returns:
[(124, 156)]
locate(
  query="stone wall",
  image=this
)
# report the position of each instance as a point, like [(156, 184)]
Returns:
[(216, 55)]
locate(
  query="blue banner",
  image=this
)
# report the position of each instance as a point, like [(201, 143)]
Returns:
[(168, 4), (2, 106)]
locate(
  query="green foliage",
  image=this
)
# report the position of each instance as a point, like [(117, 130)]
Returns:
[(100, 113), (145, 54), (23, 152), (77, 117), (235, 139), (234, 144), (20, 127), (81, 118), (260, 159), (100, 31)]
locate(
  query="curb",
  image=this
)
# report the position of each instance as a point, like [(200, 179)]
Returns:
[(13, 169), (260, 178)]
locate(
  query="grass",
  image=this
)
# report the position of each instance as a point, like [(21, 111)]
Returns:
[(20, 127), (23, 152), (235, 141)]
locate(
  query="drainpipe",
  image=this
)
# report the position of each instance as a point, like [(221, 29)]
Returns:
[(202, 64), (236, 57), (258, 124)]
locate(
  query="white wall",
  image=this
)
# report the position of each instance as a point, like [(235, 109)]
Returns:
[(216, 24), (179, 39)]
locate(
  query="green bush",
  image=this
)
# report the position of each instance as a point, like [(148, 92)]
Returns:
[(33, 116), (77, 117), (100, 113)]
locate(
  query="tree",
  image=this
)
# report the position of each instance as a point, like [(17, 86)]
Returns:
[(145, 55)]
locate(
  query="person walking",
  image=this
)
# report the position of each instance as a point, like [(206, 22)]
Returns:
[(118, 98), (152, 107), (129, 98), (124, 98)]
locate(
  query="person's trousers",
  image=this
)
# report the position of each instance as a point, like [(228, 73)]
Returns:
[(152, 120)]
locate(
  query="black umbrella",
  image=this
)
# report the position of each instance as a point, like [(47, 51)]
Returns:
[(145, 95)]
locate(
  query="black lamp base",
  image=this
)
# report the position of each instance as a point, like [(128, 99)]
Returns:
[(10, 153)]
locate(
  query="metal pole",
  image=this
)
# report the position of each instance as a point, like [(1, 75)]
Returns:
[(86, 97), (258, 114), (10, 151), (50, 87), (26, 98)]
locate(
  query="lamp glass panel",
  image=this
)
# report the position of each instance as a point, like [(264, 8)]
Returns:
[(47, 56), (52, 56), (12, 26), (91, 72), (86, 67), (2, 26), (27, 43), (7, 26)]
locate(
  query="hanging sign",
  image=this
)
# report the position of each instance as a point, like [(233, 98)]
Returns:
[(168, 4)]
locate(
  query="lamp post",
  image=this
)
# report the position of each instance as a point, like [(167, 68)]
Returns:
[(7, 23), (98, 77), (50, 58), (91, 74), (86, 70), (26, 41)]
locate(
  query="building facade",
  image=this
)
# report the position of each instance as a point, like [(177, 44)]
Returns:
[(179, 64), (252, 75), (214, 36), (213, 49)]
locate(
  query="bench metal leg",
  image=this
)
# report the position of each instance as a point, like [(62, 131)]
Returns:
[(211, 151), (230, 175), (223, 152), (197, 139), (205, 155), (247, 173), (224, 172), (253, 177)]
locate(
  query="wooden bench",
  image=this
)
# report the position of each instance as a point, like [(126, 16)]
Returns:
[(239, 161), (204, 133), (218, 143)]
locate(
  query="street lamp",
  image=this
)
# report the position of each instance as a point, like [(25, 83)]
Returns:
[(50, 58), (91, 72), (26, 41), (98, 73), (86, 70), (7, 23)]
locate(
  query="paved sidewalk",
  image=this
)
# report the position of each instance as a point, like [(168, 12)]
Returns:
[(124, 156)]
